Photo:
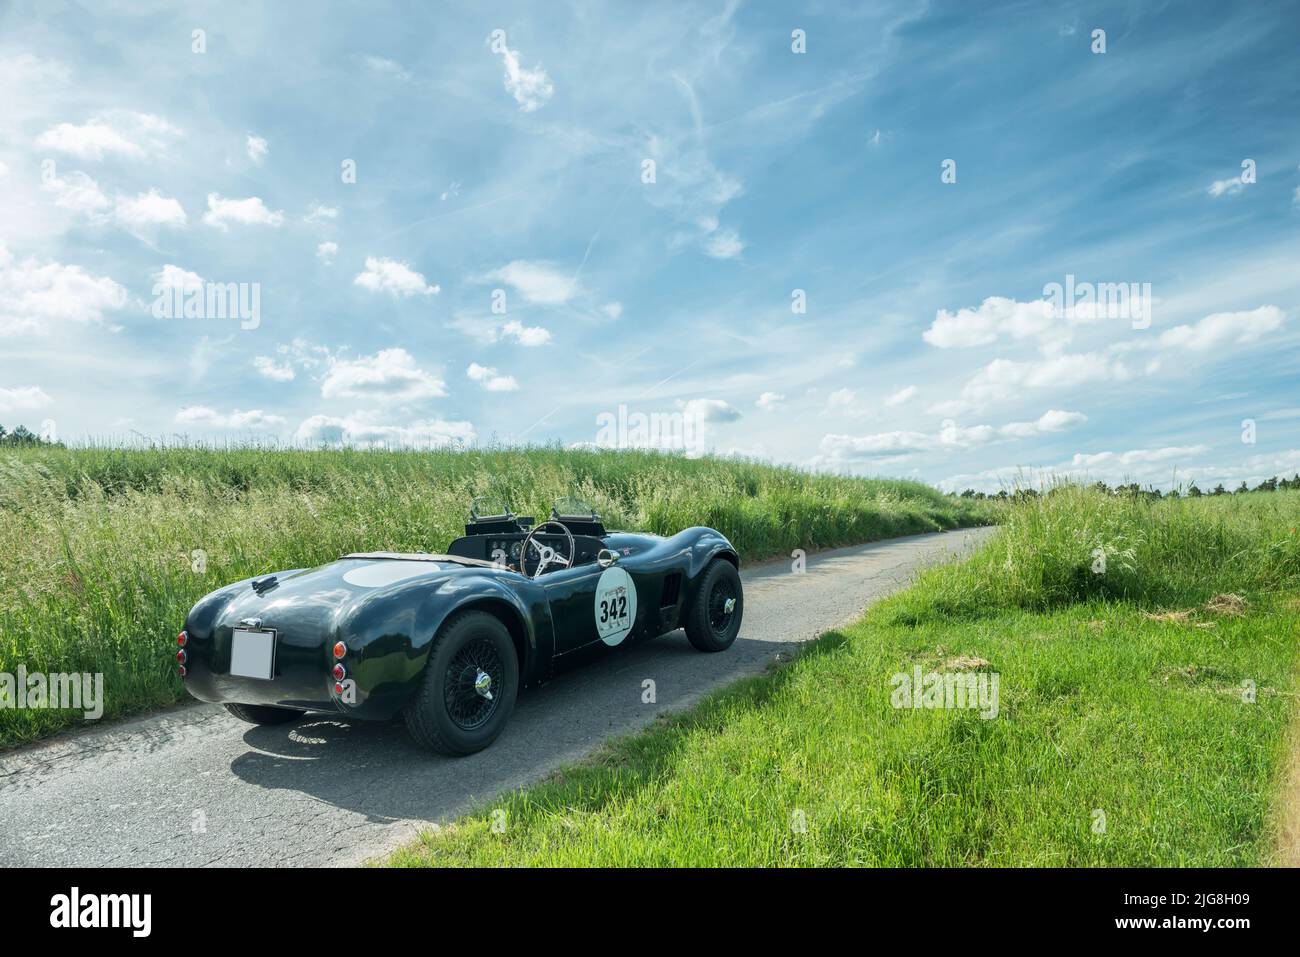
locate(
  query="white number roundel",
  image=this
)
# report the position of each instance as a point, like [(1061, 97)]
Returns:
[(615, 605)]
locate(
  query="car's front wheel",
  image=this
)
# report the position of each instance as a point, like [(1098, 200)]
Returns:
[(713, 620), (469, 686), (263, 713)]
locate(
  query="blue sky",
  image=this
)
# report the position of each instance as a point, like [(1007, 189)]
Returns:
[(502, 271)]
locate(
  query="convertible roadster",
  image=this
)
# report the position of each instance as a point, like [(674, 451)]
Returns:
[(448, 641)]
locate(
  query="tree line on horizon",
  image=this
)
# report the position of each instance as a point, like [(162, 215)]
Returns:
[(1133, 490), (21, 435)]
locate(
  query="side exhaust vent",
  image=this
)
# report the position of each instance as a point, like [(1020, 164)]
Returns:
[(672, 588)]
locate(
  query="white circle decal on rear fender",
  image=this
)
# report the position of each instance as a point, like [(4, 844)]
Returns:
[(380, 573), (615, 605)]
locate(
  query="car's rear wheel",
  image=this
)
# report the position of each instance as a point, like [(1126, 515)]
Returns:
[(263, 713), (713, 620), (469, 686)]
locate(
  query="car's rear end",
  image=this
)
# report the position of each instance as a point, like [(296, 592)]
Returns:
[(347, 637), (264, 646)]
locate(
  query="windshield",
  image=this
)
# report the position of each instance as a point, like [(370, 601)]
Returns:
[(488, 505), (573, 506)]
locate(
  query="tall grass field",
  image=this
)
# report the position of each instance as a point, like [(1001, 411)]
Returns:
[(1145, 653), (103, 551)]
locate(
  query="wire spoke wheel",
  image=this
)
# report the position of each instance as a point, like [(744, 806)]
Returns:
[(473, 684), (722, 603)]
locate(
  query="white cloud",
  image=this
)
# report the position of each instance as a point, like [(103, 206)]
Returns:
[(391, 276), (770, 401), (1136, 458), (840, 399), (1053, 420), (206, 416), (298, 354), (845, 402), (1004, 379), (709, 410), (316, 213), (305, 354), (1228, 187), (326, 252), (724, 244), (530, 88), (115, 132), (612, 309), (839, 446), (903, 442), (257, 149), (901, 396), (77, 192), (174, 277), (275, 371), (390, 374), (35, 296), (386, 67), (1052, 320), (487, 377), (528, 336), (248, 212), (1225, 329), (900, 443), (88, 141), (537, 282), (996, 315), (80, 193), (483, 329), (22, 398), (359, 430), (148, 209)]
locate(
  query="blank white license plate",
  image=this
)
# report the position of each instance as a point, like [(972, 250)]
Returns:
[(252, 654)]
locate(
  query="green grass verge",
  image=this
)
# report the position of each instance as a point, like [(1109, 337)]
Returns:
[(97, 546), (1120, 738)]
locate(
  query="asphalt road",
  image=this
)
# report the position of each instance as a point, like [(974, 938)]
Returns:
[(325, 791)]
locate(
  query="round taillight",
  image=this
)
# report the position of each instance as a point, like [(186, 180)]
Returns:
[(182, 638), (340, 649), (339, 672), (181, 656), (181, 669), (338, 688)]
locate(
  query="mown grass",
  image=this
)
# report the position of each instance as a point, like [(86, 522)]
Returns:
[(98, 546), (1124, 734)]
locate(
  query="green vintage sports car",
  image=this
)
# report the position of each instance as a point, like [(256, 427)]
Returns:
[(448, 640)]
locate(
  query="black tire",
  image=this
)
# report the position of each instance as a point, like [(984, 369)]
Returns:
[(263, 713), (708, 626), (448, 714)]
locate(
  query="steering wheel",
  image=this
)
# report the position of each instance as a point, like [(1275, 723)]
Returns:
[(546, 555)]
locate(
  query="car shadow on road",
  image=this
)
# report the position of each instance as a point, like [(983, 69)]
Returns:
[(374, 769)]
